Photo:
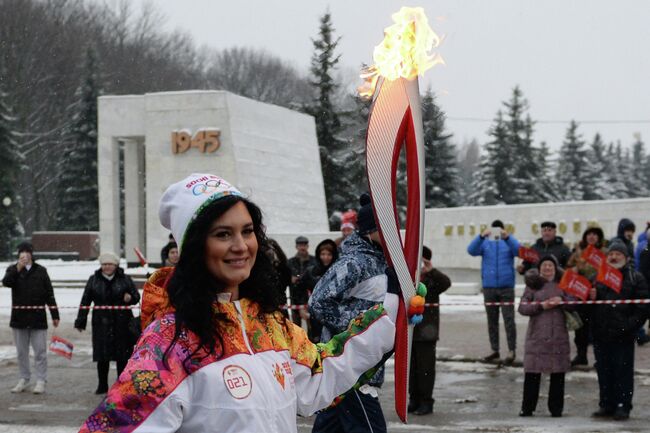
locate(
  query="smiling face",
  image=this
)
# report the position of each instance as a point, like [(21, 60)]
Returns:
[(617, 259), (592, 238), (231, 247), (547, 270)]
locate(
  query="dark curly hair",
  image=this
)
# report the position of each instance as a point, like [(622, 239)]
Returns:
[(192, 288)]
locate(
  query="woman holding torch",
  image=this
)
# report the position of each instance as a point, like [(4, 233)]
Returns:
[(219, 355)]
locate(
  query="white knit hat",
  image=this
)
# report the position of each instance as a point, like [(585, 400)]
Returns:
[(184, 200), (108, 257)]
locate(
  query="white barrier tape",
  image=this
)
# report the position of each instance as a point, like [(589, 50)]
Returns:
[(304, 306)]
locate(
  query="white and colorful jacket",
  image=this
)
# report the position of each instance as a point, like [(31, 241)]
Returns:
[(263, 375)]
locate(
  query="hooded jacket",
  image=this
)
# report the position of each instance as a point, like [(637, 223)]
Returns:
[(641, 244), (497, 269), (263, 374), (356, 282), (623, 225), (309, 280)]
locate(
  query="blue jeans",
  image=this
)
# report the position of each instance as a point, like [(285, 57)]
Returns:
[(615, 368), (357, 413)]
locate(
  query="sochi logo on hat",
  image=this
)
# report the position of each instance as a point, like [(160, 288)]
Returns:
[(184, 200)]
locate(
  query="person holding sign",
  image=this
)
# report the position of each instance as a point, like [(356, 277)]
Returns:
[(614, 328), (549, 243), (497, 249), (584, 260), (547, 348)]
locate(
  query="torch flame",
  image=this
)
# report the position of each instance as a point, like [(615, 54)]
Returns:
[(405, 51)]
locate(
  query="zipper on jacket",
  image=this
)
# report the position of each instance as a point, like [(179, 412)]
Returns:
[(243, 327)]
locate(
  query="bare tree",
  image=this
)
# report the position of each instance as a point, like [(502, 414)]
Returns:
[(258, 75)]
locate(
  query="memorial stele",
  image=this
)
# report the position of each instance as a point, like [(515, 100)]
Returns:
[(269, 152)]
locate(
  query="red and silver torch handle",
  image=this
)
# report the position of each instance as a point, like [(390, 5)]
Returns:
[(395, 121)]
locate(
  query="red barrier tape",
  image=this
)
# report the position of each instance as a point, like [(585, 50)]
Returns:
[(304, 306)]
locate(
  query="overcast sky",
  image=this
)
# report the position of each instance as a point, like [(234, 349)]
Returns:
[(586, 60)]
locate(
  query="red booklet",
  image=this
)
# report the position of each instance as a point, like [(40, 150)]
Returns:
[(528, 254), (610, 276), (575, 284), (593, 256)]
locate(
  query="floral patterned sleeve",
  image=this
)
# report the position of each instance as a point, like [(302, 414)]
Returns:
[(146, 382)]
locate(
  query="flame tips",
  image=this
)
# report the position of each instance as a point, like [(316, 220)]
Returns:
[(405, 51)]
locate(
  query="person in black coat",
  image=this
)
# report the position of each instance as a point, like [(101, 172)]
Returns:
[(548, 244), (614, 328), (112, 339), (425, 336), (30, 286)]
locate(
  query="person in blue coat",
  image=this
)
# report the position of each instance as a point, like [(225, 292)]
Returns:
[(498, 249)]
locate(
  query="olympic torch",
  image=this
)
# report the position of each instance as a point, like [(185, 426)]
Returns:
[(395, 121)]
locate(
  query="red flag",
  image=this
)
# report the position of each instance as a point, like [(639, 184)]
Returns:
[(610, 276), (575, 284), (61, 346), (529, 254), (143, 260), (593, 256)]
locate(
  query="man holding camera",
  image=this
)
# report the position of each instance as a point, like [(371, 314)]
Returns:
[(30, 286), (498, 249)]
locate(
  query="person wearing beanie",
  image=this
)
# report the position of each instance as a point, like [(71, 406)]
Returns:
[(549, 244), (422, 373), (217, 354), (547, 349), (111, 335), (497, 249), (357, 281), (30, 285), (595, 237), (614, 333), (625, 234)]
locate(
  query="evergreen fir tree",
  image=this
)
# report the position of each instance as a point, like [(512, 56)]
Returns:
[(596, 186), (332, 148), (615, 175), (441, 173), (546, 190), (9, 168), (79, 207), (571, 165), (468, 159), (486, 185), (511, 162), (637, 184)]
